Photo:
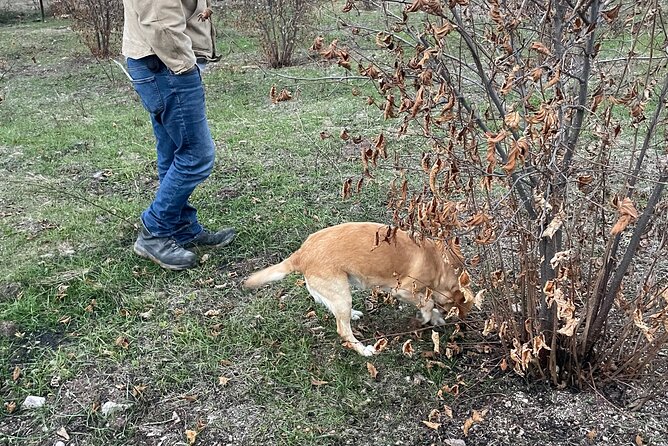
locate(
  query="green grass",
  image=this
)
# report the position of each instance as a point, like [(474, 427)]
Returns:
[(86, 321)]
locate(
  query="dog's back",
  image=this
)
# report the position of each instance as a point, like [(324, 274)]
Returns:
[(360, 250)]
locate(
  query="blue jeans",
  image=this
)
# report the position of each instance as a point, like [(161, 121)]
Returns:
[(183, 143)]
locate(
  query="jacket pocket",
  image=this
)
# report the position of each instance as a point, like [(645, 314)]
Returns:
[(200, 6), (147, 89)]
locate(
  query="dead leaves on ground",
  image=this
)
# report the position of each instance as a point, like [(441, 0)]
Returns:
[(476, 417), (437, 418), (275, 97)]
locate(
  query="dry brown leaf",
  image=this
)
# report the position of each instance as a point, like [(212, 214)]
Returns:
[(454, 390), (318, 382), (62, 433), (138, 390), (373, 372), (388, 110), (380, 345), (541, 48), (371, 71), (284, 95), (479, 415), (464, 279), (431, 425), (407, 349), (639, 440), (122, 342), (640, 323), (436, 339), (512, 120), (627, 215), (467, 425), (495, 138), (475, 418), (611, 14), (536, 74), (431, 364), (569, 328), (16, 374), (443, 31), (10, 406), (490, 326), (331, 51), (554, 225), (384, 40), (478, 299), (223, 380), (317, 44), (553, 80), (346, 190), (447, 410), (191, 436), (212, 313), (91, 306)]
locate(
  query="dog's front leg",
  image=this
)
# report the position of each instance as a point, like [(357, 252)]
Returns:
[(350, 341)]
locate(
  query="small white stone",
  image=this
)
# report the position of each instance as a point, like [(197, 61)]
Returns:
[(33, 402), (110, 407), (59, 443)]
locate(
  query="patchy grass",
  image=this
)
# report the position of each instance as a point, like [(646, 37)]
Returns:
[(83, 321)]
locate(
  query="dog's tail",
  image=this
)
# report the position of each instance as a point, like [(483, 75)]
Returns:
[(271, 274)]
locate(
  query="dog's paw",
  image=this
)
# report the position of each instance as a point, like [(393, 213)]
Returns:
[(355, 315), (368, 350), (437, 318)]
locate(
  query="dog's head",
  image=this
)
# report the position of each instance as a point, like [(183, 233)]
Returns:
[(453, 303)]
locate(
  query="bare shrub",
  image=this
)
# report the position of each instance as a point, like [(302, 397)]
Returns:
[(541, 147), (98, 22), (279, 25)]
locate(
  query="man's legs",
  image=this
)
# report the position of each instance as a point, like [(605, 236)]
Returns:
[(166, 149), (183, 137), (185, 155)]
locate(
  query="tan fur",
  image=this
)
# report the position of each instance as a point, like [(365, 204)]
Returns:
[(334, 258)]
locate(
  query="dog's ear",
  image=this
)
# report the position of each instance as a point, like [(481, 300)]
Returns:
[(461, 304)]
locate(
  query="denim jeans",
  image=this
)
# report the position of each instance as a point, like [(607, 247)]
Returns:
[(183, 142)]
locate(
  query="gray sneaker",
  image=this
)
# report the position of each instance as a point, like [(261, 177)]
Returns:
[(164, 251)]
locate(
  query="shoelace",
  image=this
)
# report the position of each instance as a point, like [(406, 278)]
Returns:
[(173, 246)]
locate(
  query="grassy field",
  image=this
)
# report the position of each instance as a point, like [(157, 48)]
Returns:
[(84, 321)]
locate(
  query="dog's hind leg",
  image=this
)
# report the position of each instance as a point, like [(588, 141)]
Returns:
[(334, 293)]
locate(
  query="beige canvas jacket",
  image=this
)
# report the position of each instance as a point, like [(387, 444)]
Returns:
[(170, 29)]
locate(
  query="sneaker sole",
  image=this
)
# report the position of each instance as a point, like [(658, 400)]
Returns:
[(145, 254)]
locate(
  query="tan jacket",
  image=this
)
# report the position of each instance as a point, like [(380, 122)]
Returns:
[(170, 29)]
